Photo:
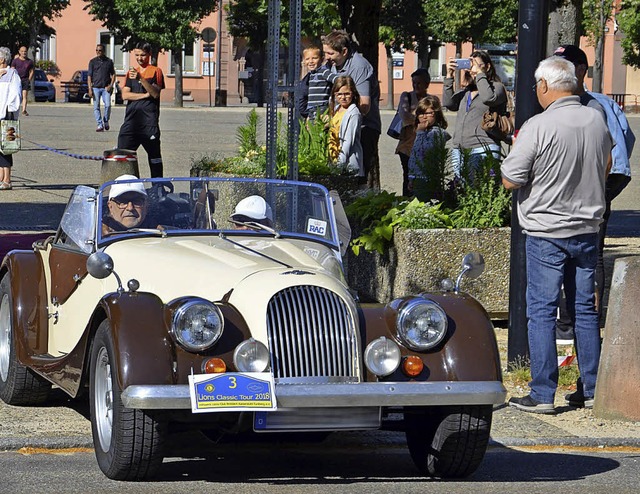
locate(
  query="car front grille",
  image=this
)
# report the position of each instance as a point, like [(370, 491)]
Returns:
[(312, 336)]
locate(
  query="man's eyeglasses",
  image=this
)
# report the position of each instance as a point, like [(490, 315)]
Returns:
[(535, 86), (137, 202)]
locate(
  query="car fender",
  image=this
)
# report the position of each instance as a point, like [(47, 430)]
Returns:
[(29, 294), (145, 353), (469, 352)]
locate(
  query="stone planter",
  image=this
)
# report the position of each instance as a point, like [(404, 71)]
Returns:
[(420, 259)]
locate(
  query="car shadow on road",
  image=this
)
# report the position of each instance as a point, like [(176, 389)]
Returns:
[(330, 463)]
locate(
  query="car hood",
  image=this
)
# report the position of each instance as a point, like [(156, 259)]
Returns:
[(210, 267)]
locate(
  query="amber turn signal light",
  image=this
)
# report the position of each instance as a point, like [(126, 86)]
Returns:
[(214, 365), (412, 366)]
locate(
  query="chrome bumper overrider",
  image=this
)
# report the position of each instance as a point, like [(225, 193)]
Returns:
[(338, 395)]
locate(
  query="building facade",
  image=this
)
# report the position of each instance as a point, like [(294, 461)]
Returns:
[(225, 76)]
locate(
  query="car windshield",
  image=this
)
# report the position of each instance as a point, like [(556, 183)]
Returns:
[(195, 206), (39, 75)]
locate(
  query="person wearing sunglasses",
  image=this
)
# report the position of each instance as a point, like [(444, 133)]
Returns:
[(101, 77), (127, 206)]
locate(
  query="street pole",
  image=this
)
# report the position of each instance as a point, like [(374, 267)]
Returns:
[(532, 36)]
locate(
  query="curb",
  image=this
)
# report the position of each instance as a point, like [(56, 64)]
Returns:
[(17, 443)]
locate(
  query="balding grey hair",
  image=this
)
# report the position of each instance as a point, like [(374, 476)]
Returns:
[(559, 73), (5, 54)]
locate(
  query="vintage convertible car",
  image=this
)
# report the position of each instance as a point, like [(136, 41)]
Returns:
[(190, 318)]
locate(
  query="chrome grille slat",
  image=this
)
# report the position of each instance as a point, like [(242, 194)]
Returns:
[(311, 333)]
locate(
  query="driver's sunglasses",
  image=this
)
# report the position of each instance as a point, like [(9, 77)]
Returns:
[(137, 202)]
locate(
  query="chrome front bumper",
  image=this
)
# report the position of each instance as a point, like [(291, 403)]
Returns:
[(338, 395)]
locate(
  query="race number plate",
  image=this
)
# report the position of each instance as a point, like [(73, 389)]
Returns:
[(231, 392)]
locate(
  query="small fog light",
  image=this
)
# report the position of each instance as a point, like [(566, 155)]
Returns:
[(382, 356), (214, 365), (251, 356), (412, 366)]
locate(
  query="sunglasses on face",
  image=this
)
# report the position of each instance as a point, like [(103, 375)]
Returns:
[(137, 202)]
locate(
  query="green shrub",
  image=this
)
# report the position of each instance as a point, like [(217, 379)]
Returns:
[(476, 199)]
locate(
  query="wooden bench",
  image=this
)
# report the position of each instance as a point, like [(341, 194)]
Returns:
[(619, 98)]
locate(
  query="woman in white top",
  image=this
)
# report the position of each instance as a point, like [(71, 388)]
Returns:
[(10, 99)]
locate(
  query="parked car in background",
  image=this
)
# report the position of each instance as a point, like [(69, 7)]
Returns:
[(224, 307), (44, 90), (77, 89)]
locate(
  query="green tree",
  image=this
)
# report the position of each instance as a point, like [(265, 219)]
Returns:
[(476, 21), (628, 19), (21, 21), (595, 15), (249, 19), (166, 24)]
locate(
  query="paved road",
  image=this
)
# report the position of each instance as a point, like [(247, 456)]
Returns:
[(43, 179), (327, 469)]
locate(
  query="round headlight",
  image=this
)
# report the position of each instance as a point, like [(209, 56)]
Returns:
[(251, 356), (382, 356), (197, 325), (421, 324)]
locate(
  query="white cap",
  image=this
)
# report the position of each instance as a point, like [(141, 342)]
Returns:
[(254, 207), (119, 189)]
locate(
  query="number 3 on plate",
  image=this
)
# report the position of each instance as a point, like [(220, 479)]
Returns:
[(233, 384)]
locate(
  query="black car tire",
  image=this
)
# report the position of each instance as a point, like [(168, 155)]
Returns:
[(448, 442), (128, 442), (19, 385)]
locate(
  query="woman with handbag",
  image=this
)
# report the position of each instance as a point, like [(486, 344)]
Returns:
[(405, 118), (482, 91), (10, 99)]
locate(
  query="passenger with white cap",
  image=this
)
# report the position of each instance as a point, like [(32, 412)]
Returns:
[(252, 210), (127, 206)]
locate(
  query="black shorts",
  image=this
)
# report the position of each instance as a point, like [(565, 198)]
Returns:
[(25, 84)]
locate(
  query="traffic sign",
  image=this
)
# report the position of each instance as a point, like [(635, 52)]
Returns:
[(208, 35)]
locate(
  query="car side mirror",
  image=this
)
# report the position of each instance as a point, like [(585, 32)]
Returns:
[(472, 267), (100, 265)]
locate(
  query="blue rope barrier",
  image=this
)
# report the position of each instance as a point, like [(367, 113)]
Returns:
[(64, 153)]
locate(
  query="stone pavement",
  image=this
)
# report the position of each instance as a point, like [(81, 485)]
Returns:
[(42, 183)]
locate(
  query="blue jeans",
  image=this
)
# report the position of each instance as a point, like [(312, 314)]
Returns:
[(550, 262), (475, 157), (100, 93)]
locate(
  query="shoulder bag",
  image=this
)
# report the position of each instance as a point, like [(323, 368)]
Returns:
[(396, 124), (498, 126)]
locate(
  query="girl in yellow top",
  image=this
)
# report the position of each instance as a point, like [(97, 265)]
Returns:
[(345, 150)]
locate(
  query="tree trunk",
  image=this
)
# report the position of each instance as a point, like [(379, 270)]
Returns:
[(363, 21), (177, 60), (565, 19), (598, 61), (390, 103)]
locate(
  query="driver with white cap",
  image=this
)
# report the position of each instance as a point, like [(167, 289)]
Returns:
[(127, 206), (252, 209)]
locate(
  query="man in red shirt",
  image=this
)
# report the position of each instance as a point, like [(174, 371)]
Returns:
[(24, 66), (141, 120)]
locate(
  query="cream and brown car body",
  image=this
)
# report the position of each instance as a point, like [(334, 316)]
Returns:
[(335, 364)]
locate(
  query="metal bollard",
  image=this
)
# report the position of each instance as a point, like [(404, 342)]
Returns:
[(118, 162)]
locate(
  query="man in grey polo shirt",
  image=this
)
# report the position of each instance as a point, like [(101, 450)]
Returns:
[(346, 60), (559, 162)]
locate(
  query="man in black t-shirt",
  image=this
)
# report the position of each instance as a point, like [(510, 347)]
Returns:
[(101, 77), (141, 125)]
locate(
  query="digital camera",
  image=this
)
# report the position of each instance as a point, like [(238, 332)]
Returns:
[(463, 63)]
